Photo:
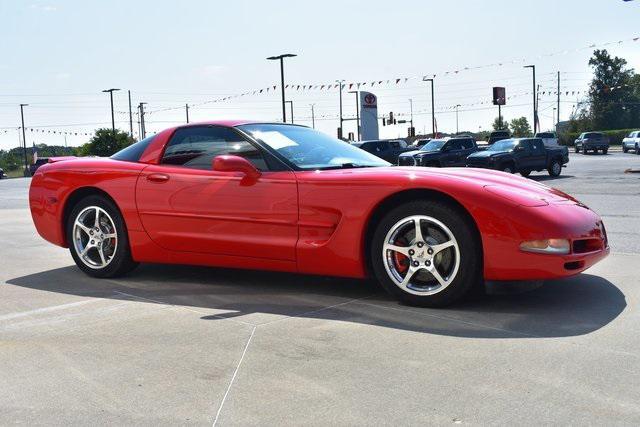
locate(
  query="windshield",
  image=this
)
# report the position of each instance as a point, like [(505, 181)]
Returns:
[(309, 149), (504, 145), (434, 145)]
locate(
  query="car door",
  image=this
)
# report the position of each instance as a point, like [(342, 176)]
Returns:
[(185, 206), (521, 154), (452, 153), (467, 148), (538, 156), (384, 150)]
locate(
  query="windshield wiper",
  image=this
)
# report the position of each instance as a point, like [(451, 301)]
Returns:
[(347, 166)]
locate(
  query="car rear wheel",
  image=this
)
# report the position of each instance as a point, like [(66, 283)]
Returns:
[(624, 148), (508, 168), (576, 149), (97, 238), (605, 150), (555, 168), (426, 254), (525, 173), (637, 149)]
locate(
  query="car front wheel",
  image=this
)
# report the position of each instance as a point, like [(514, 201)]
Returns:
[(97, 238), (426, 253)]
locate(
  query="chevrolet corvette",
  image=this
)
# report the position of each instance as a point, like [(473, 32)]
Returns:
[(285, 197)]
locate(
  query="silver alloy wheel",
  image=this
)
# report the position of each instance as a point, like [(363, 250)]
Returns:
[(95, 237), (557, 168), (432, 259), (507, 170)]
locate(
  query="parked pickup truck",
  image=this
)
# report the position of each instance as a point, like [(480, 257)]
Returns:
[(592, 141), (498, 135), (440, 153), (522, 155), (632, 142)]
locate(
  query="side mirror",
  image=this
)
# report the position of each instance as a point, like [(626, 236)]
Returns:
[(235, 164)]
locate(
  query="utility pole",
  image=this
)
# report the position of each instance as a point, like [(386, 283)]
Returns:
[(142, 127), (130, 116), (313, 117), (291, 105), (537, 101), (24, 141), (186, 107), (357, 113), (340, 128), (457, 131), (433, 112), (113, 119), (281, 59), (558, 116), (535, 109)]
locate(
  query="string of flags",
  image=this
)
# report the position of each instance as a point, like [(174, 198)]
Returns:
[(47, 131), (385, 82)]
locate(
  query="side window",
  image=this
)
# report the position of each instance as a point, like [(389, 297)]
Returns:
[(537, 146), (196, 147), (468, 144), (526, 145), (383, 145), (394, 144), (455, 145)]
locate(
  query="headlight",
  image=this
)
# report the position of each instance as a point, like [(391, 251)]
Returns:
[(546, 246)]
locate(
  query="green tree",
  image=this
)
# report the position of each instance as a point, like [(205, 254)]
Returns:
[(611, 93), (520, 127), (104, 143), (500, 125)]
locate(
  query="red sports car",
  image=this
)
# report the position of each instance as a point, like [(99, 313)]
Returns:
[(289, 198)]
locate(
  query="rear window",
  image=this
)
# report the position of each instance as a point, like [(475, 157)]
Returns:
[(133, 152), (545, 135), (593, 135)]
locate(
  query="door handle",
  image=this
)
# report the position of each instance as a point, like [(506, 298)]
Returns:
[(158, 177)]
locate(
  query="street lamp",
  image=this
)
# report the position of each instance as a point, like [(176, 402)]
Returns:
[(291, 105), (113, 119), (24, 141), (313, 116), (281, 59), (357, 112), (340, 128), (535, 109), (457, 131), (433, 112)]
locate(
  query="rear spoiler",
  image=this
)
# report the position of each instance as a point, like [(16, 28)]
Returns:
[(61, 159)]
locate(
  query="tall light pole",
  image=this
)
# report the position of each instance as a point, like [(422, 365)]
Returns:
[(433, 112), (558, 117), (457, 131), (535, 108), (281, 59), (313, 116), (130, 116), (357, 113), (186, 108), (290, 105), (340, 128), (113, 118), (24, 141)]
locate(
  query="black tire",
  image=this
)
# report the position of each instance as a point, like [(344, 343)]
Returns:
[(469, 272), (576, 149), (637, 149), (624, 148), (508, 168), (605, 150), (120, 261), (555, 168), (525, 173)]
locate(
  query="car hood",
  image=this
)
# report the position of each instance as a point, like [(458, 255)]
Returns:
[(487, 153), (506, 187)]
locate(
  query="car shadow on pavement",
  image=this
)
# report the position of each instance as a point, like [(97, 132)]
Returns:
[(549, 178), (569, 307)]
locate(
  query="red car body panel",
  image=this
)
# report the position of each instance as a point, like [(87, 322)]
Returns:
[(312, 221)]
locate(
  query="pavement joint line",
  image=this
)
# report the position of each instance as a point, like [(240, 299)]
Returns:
[(184, 308), (235, 373), (47, 309), (314, 311)]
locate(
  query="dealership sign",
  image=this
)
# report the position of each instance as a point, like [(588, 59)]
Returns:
[(368, 116)]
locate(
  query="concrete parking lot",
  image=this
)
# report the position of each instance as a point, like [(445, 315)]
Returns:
[(171, 345)]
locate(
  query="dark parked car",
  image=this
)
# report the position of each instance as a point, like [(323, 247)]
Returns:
[(591, 141), (440, 153), (522, 155), (34, 166), (387, 149), (498, 135), (2, 175)]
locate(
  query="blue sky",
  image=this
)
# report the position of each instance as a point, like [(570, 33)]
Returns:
[(58, 55)]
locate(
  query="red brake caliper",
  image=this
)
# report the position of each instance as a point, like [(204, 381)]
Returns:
[(401, 261)]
